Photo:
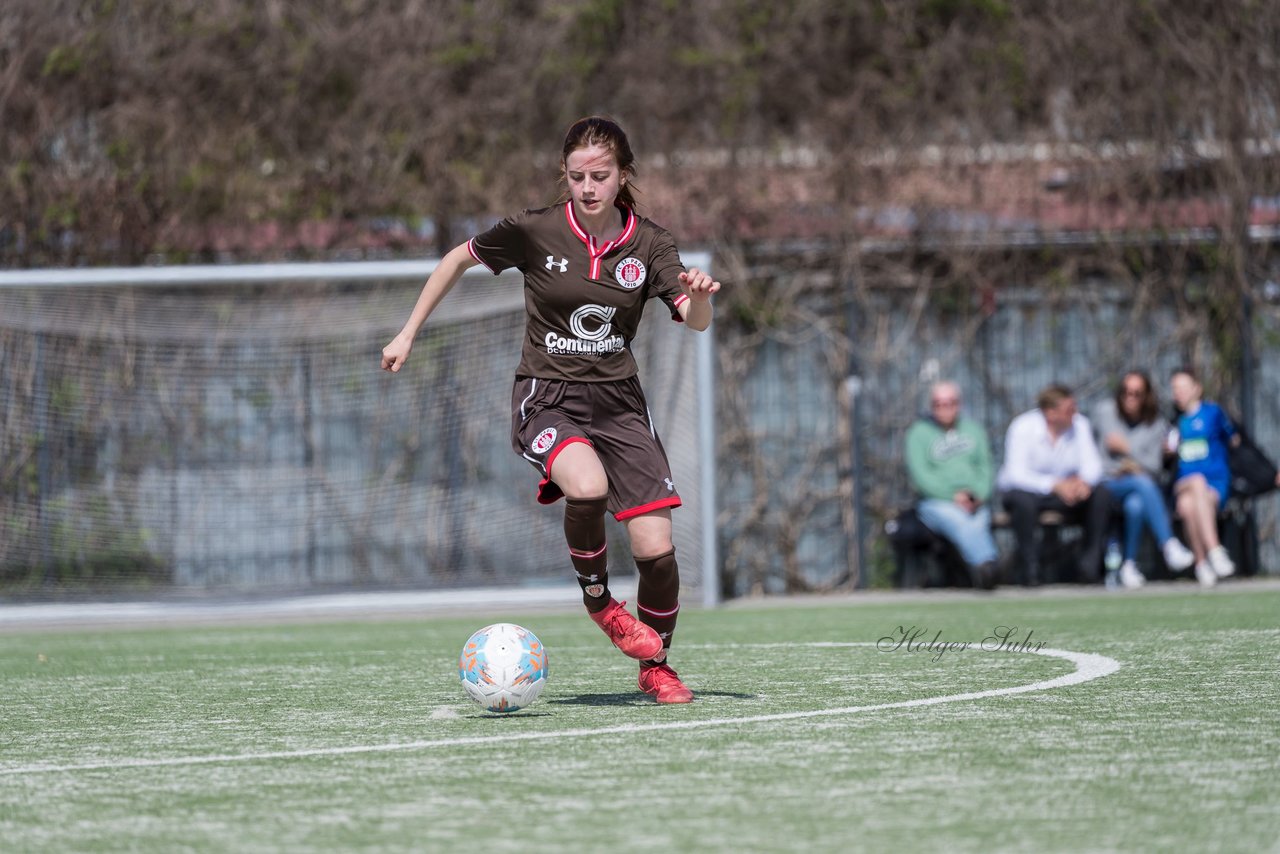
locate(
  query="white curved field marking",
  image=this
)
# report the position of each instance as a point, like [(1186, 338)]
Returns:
[(1089, 666)]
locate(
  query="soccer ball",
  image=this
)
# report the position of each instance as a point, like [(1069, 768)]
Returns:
[(503, 667)]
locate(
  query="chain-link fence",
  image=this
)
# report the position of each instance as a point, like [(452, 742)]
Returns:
[(822, 374)]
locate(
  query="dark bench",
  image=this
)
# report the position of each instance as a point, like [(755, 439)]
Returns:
[(924, 559)]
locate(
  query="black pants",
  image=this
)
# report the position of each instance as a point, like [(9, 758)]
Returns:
[(1093, 515)]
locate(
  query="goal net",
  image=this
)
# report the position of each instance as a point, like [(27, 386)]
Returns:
[(230, 431)]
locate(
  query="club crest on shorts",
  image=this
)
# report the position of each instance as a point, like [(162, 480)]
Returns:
[(545, 441), (630, 273)]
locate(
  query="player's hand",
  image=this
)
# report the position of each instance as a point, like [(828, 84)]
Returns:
[(395, 354), (698, 285)]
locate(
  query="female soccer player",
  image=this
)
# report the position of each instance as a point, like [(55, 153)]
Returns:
[(590, 265)]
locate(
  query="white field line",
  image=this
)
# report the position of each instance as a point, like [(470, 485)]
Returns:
[(1089, 666)]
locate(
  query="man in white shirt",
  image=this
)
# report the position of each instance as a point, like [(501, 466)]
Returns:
[(1052, 463)]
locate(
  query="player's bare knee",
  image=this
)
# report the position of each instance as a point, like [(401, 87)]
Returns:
[(584, 487), (579, 473), (648, 546)]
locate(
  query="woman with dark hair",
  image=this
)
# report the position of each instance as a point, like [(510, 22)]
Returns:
[(590, 266), (1132, 435)]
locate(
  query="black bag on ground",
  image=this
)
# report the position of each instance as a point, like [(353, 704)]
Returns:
[(1252, 471), (907, 531)]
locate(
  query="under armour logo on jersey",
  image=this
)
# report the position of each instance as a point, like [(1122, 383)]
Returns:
[(563, 263), (671, 487)]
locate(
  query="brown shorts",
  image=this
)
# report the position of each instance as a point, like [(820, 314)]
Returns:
[(611, 417)]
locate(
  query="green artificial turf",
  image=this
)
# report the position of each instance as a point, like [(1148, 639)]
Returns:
[(806, 733)]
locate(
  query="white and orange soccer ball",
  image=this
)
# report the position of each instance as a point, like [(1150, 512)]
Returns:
[(503, 667)]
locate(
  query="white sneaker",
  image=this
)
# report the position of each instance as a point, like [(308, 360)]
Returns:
[(1177, 556), (1205, 574), (1131, 578), (1221, 562)]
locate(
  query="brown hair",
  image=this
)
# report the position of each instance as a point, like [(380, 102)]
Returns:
[(1150, 406), (1052, 395), (607, 134)]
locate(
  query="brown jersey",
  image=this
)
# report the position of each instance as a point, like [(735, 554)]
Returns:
[(583, 301)]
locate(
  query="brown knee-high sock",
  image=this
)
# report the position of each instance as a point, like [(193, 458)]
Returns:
[(584, 531), (658, 596)]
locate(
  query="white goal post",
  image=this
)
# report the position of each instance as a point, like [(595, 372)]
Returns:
[(226, 425)]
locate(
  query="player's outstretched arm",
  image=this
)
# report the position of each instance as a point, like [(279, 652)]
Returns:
[(441, 280), (699, 286)]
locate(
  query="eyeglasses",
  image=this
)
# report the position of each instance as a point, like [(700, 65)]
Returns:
[(1131, 392), (950, 402)]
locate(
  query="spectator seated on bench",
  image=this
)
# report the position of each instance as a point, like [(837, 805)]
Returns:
[(1131, 436), (1052, 463), (1204, 440), (948, 459)]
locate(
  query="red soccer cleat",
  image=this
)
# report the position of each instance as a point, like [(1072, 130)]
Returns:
[(628, 634), (662, 683)]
